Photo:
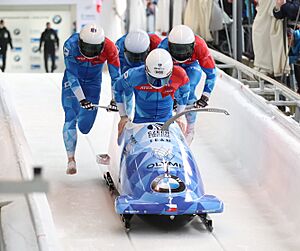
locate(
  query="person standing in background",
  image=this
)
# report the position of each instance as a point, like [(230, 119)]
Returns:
[(49, 38), (4, 40), (287, 9), (267, 30)]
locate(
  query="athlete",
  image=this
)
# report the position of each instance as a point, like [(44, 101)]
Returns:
[(133, 50), (85, 55), (154, 85), (192, 54)]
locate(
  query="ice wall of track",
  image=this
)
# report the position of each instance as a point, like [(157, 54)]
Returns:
[(263, 143)]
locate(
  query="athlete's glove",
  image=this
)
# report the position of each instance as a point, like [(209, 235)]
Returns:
[(175, 105), (113, 106), (202, 102), (86, 104)]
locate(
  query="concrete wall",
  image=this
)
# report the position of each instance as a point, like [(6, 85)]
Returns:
[(263, 144)]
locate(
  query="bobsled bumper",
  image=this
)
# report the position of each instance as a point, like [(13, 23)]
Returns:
[(205, 204)]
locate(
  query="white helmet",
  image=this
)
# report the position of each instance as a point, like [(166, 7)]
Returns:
[(181, 43), (159, 67), (91, 40), (137, 46)]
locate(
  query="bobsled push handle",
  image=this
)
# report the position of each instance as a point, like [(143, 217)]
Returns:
[(166, 125), (107, 108)]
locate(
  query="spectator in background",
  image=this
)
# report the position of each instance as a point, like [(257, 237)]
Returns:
[(268, 42), (49, 38), (294, 53), (287, 9), (4, 40)]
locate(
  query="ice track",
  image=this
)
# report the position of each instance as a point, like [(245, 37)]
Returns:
[(249, 160)]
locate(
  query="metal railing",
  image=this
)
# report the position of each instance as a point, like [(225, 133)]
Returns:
[(261, 84)]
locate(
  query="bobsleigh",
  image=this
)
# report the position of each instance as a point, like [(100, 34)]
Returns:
[(153, 172)]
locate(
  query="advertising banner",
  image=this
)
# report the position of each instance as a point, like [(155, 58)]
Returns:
[(25, 29)]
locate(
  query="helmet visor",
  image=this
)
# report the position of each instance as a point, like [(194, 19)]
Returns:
[(181, 52), (158, 82), (90, 50), (136, 57)]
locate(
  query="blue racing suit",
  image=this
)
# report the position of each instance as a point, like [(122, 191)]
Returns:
[(200, 60), (82, 80), (126, 64), (152, 104)]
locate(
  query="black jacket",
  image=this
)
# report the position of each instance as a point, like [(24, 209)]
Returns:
[(49, 38), (5, 39), (289, 10)]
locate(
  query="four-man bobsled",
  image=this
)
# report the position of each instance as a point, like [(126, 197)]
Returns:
[(154, 172)]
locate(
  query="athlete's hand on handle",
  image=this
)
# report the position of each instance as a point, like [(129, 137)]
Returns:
[(113, 106), (175, 105), (202, 102), (86, 104), (122, 123)]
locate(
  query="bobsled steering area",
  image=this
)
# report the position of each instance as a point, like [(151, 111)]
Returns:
[(156, 173)]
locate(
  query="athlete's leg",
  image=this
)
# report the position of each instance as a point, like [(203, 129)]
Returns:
[(71, 108), (86, 118), (194, 72)]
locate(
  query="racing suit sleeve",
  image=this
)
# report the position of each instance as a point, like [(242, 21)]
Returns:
[(72, 72), (56, 39), (207, 64), (9, 40), (42, 40), (113, 64), (122, 84)]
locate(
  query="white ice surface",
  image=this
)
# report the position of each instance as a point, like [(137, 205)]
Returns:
[(236, 161)]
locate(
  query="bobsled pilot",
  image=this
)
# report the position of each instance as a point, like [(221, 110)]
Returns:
[(133, 50), (85, 54), (192, 54), (154, 85)]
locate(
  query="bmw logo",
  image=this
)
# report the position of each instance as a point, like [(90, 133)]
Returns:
[(167, 184), (17, 31), (57, 19), (17, 58), (35, 49)]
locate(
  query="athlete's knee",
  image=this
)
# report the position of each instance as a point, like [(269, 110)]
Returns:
[(69, 125), (84, 127)]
